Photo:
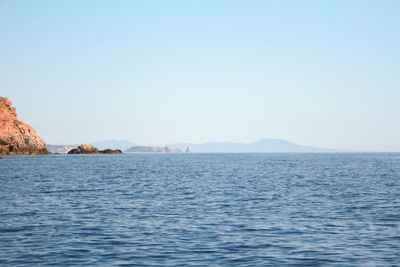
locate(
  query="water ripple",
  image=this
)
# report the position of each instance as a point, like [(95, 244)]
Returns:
[(200, 209)]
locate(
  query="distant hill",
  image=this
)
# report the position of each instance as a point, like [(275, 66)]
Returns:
[(113, 144), (263, 145)]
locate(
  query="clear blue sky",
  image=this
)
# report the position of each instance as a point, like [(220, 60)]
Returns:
[(320, 73)]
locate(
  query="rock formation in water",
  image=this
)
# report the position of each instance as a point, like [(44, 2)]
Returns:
[(152, 149), (84, 149), (17, 137), (111, 151), (89, 149), (188, 149)]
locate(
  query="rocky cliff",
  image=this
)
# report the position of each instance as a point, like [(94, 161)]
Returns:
[(17, 137), (152, 149)]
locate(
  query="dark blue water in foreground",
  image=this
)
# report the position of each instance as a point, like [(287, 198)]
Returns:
[(200, 209)]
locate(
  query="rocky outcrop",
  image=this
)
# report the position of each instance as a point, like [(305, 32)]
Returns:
[(17, 137), (84, 149), (89, 149), (152, 149), (111, 151)]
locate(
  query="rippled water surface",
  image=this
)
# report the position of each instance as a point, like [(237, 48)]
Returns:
[(200, 209)]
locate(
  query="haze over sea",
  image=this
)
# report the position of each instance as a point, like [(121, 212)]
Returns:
[(200, 209)]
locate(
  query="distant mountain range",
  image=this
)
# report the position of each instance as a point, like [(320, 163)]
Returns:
[(263, 145), (267, 145)]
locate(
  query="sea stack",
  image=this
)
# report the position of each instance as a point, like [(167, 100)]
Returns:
[(17, 137), (188, 149)]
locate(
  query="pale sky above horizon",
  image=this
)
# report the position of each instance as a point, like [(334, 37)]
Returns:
[(317, 73)]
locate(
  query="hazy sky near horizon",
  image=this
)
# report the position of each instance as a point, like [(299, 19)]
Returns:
[(320, 73)]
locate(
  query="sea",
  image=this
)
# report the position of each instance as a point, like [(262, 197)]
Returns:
[(195, 209)]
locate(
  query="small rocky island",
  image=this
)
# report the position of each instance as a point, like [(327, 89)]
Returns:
[(89, 149), (17, 137)]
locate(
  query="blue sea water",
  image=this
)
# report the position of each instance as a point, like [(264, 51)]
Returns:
[(200, 209)]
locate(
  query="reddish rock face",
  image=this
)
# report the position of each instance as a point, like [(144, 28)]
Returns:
[(17, 137)]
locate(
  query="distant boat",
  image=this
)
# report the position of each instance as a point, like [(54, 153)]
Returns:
[(188, 149)]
